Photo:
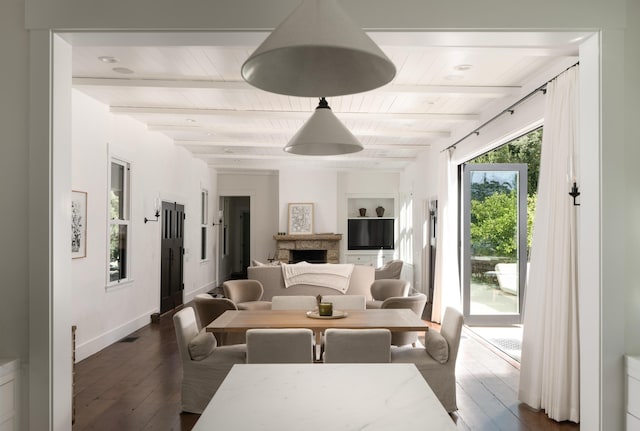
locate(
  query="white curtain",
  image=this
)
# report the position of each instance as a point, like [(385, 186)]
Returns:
[(446, 292), (549, 371)]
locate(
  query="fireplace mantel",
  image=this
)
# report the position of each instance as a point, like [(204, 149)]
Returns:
[(324, 241)]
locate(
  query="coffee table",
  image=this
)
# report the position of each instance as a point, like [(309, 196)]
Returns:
[(327, 397)]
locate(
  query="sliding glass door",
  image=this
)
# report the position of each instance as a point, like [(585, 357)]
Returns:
[(494, 213)]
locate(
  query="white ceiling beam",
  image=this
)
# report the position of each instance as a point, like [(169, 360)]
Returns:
[(286, 156), (201, 145), (235, 131), (376, 116), (469, 90)]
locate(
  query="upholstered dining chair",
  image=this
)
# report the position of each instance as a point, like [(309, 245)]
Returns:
[(280, 346), (414, 302), (346, 302), (390, 270), (387, 288), (204, 363), (293, 302), (357, 345), (437, 360), (208, 309), (246, 294)]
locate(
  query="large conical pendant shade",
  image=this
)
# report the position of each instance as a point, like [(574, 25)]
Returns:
[(318, 50), (323, 135)]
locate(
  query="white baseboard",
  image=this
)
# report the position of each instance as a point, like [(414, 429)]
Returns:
[(88, 348)]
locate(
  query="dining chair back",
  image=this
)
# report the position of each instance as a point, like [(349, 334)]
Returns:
[(387, 288), (204, 363), (208, 309), (280, 346), (357, 345), (246, 294), (346, 302), (436, 361), (414, 302), (294, 302)]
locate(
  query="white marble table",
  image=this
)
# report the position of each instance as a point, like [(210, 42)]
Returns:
[(327, 397)]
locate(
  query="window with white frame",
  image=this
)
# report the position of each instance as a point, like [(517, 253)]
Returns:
[(119, 221), (204, 219)]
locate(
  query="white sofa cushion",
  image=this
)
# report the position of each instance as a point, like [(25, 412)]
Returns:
[(202, 345), (436, 346), (257, 263)]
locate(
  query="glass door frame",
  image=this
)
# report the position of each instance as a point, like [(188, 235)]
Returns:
[(465, 215)]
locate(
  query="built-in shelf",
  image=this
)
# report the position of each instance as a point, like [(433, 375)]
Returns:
[(370, 204)]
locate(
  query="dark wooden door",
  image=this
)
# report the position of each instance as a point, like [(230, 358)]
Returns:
[(171, 285)]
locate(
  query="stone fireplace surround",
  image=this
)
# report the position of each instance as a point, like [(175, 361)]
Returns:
[(330, 242)]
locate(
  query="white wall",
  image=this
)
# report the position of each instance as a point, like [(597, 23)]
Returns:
[(105, 314), (419, 182), (314, 186), (262, 188)]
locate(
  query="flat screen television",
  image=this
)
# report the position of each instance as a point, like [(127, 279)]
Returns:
[(370, 234)]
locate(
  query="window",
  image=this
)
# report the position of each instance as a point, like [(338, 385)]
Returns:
[(204, 201), (119, 223)]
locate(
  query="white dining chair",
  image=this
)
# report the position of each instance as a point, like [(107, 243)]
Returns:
[(346, 302), (280, 346), (294, 302), (357, 345)]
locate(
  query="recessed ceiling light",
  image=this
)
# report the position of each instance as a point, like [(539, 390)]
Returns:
[(190, 120), (454, 77), (124, 70), (462, 67), (108, 59)]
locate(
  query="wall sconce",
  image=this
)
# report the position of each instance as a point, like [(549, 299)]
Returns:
[(220, 214), (156, 215), (156, 206), (574, 193)]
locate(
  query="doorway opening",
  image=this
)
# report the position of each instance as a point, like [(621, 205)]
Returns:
[(498, 206), (235, 237)]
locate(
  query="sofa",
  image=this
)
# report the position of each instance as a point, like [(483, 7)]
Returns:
[(273, 282)]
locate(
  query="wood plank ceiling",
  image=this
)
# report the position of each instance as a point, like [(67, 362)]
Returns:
[(193, 93)]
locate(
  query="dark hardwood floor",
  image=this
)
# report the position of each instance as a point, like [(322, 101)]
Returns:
[(134, 384)]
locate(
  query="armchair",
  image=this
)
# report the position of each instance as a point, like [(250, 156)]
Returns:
[(204, 363), (246, 294), (387, 288), (437, 360)]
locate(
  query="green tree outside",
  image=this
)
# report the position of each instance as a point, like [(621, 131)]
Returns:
[(493, 204)]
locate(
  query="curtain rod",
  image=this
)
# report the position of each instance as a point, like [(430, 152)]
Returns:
[(510, 109)]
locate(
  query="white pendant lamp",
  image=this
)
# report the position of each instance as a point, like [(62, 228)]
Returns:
[(323, 135), (318, 49)]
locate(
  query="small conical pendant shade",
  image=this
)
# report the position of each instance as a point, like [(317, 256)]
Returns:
[(323, 135), (318, 50)]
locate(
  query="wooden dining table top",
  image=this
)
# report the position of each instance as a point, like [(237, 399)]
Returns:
[(396, 320)]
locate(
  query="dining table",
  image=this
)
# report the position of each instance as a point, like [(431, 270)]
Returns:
[(395, 320), (324, 397)]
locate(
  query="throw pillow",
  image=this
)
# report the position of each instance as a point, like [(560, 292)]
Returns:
[(436, 346), (202, 345)]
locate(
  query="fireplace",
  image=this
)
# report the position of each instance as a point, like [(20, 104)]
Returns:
[(311, 256), (315, 248)]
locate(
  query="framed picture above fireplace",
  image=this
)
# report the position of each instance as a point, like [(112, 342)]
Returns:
[(300, 218)]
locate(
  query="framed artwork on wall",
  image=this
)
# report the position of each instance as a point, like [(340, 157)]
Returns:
[(300, 218), (78, 224)]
